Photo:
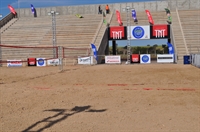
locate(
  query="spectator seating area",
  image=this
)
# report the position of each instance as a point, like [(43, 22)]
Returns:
[(74, 32)]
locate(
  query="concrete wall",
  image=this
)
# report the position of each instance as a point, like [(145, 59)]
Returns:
[(93, 9)]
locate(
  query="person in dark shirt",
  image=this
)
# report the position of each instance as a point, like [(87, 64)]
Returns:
[(100, 10)]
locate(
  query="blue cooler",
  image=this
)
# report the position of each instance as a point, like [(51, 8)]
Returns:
[(186, 59)]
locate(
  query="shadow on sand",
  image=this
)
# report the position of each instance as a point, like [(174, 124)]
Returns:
[(52, 120)]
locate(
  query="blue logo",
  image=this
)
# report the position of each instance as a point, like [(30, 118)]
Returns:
[(138, 32), (41, 62), (145, 58)]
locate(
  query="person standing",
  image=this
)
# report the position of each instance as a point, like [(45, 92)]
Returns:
[(100, 10), (107, 9)]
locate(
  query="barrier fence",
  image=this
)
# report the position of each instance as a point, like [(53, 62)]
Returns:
[(195, 60), (40, 56)]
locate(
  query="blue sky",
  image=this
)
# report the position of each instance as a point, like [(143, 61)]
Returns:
[(48, 3)]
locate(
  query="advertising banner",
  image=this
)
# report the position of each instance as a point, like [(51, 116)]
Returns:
[(170, 48), (94, 49), (160, 31), (117, 33), (14, 63), (53, 62), (85, 60), (31, 61), (41, 62), (145, 58), (134, 15), (165, 58), (119, 18), (140, 32), (12, 9), (113, 59), (149, 17), (135, 58)]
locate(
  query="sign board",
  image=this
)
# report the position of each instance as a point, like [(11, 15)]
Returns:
[(85, 60), (117, 33), (41, 62), (139, 32), (113, 59), (135, 58), (53, 62), (165, 58), (145, 58), (14, 63), (31, 61), (160, 31)]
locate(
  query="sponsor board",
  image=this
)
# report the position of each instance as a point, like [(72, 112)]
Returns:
[(165, 58), (53, 62), (135, 58), (113, 59), (160, 31), (41, 62), (139, 32), (85, 60), (145, 58), (31, 61), (117, 33), (14, 63)]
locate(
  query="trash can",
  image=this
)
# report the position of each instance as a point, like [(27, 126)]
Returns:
[(186, 59)]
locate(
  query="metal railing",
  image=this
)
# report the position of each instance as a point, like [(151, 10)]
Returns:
[(182, 32)]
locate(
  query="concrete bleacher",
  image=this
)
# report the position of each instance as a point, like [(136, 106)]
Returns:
[(71, 32), (190, 21), (186, 32)]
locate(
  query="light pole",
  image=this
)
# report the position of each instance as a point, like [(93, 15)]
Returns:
[(53, 14), (127, 9), (0, 43)]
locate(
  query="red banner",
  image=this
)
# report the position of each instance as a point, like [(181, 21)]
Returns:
[(160, 31), (117, 32), (149, 17), (12, 9), (119, 18)]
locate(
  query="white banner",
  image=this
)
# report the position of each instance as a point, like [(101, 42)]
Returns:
[(145, 58), (41, 62), (53, 62), (138, 32), (113, 59), (165, 58), (85, 60), (14, 63)]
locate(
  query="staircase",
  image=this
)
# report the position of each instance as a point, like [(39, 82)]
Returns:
[(190, 20), (180, 45)]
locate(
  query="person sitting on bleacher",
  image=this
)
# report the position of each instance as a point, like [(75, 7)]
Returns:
[(79, 16)]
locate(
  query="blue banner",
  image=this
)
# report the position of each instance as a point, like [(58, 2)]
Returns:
[(134, 14), (32, 9), (170, 48), (94, 49)]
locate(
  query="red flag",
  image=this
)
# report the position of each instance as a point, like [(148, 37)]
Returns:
[(149, 17), (119, 18), (12, 9)]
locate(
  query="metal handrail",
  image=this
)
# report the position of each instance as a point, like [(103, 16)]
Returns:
[(109, 20), (182, 31), (173, 41), (98, 30)]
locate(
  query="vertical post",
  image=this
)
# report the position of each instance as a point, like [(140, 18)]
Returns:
[(129, 36), (0, 46), (53, 14), (60, 58), (53, 34)]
